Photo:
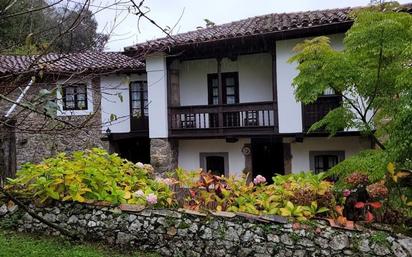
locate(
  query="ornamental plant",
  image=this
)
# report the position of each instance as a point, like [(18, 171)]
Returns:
[(298, 196), (90, 176)]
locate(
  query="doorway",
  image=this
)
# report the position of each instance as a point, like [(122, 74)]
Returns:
[(267, 157), (135, 149)]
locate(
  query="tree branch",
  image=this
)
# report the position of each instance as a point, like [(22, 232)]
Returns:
[(34, 215)]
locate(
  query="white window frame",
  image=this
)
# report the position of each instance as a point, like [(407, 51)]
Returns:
[(89, 93)]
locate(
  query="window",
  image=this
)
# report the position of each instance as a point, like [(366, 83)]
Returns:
[(138, 99), (217, 163), (323, 161), (230, 86), (75, 97)]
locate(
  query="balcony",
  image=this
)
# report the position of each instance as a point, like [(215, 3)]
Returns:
[(243, 119)]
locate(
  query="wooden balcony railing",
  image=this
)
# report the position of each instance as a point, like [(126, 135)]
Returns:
[(223, 120)]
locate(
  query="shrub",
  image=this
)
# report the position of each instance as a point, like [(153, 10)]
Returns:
[(369, 162), (300, 196), (91, 175)]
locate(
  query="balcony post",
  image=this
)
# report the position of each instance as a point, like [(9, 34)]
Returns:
[(219, 83), (275, 88)]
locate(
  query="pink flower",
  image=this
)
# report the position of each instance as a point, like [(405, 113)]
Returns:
[(151, 199), (346, 192), (139, 193), (259, 180), (167, 181)]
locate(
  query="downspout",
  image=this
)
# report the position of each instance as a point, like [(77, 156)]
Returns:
[(19, 99)]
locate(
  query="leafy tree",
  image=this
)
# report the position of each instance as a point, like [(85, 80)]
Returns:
[(373, 72), (59, 28)]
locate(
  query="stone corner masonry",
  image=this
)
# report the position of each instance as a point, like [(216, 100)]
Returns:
[(163, 155)]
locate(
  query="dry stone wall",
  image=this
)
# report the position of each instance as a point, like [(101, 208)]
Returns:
[(174, 233)]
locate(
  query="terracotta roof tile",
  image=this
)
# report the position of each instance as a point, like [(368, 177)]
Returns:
[(265, 24), (87, 62)]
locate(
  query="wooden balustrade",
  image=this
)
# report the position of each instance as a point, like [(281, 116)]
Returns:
[(225, 120)]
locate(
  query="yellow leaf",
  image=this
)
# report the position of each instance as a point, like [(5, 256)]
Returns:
[(409, 204), (67, 197), (79, 198), (290, 205), (402, 174), (127, 195), (285, 212), (391, 168), (219, 208)]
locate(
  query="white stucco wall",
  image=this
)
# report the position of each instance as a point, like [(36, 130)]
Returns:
[(300, 151), (157, 95), (111, 103), (290, 111), (255, 78), (189, 151)]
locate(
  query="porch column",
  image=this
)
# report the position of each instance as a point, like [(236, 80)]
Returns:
[(157, 95)]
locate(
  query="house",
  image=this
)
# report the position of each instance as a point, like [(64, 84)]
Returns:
[(78, 77), (219, 98)]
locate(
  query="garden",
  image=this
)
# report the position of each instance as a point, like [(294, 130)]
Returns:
[(369, 193), (97, 177)]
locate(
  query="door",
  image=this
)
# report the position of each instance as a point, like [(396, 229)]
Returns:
[(230, 88), (134, 149), (139, 106), (267, 157)]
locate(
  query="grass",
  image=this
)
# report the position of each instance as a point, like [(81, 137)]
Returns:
[(14, 244)]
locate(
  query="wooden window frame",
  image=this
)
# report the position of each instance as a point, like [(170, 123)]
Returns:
[(313, 154), (75, 94), (225, 155), (225, 75), (142, 100)]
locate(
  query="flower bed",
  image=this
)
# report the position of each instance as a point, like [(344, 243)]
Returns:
[(94, 176)]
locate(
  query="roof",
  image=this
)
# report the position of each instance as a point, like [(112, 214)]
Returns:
[(259, 25), (85, 62)]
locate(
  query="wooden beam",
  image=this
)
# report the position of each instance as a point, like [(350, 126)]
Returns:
[(219, 83), (275, 86)]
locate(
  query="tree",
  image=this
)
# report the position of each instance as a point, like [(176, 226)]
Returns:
[(373, 73), (23, 31)]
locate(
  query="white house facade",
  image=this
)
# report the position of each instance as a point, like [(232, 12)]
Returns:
[(221, 99)]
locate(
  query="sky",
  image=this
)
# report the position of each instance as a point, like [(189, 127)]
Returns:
[(187, 15)]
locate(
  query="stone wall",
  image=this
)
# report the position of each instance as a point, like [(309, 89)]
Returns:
[(32, 146), (163, 154), (179, 233)]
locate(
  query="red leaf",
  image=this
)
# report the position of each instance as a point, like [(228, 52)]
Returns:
[(375, 205), (369, 217), (359, 205), (192, 193)]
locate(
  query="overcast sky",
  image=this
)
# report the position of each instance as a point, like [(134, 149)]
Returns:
[(193, 13)]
